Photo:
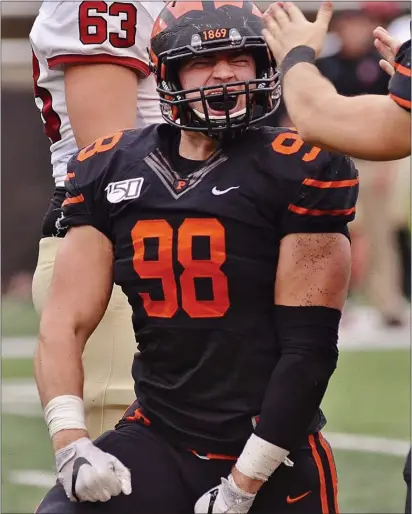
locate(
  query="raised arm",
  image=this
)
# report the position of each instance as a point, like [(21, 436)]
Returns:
[(372, 127), (101, 99)]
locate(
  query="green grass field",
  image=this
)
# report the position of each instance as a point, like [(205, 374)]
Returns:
[(18, 318), (368, 395)]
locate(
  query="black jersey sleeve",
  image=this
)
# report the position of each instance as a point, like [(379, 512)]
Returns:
[(85, 183), (400, 83), (325, 200)]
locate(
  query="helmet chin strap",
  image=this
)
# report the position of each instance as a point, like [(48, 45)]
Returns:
[(202, 116)]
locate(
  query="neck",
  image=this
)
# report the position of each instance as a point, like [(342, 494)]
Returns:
[(196, 146)]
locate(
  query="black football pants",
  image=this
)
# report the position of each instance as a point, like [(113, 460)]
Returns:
[(167, 480), (407, 477)]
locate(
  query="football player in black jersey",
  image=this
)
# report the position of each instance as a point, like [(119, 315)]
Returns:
[(372, 127), (231, 244)]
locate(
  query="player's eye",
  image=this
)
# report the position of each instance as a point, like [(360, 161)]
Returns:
[(240, 61), (201, 63)]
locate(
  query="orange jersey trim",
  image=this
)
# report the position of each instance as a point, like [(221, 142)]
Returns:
[(403, 70), (138, 416), (332, 467), (73, 199), (401, 101), (236, 3), (323, 494), (181, 8), (330, 184), (214, 456), (319, 212)]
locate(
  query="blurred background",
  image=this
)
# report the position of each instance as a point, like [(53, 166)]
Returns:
[(368, 401)]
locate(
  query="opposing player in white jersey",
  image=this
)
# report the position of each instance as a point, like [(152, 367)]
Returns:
[(90, 64)]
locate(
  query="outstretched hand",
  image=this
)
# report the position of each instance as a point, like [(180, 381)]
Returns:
[(286, 27), (388, 47)]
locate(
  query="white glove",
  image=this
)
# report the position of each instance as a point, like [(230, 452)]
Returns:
[(225, 498), (89, 474)]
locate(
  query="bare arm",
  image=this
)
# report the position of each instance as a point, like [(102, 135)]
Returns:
[(78, 297), (101, 99), (371, 127), (313, 271)]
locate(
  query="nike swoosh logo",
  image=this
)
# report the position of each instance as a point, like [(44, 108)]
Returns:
[(294, 500), (78, 463), (218, 192)]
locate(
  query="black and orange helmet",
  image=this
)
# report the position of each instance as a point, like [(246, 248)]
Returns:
[(187, 29)]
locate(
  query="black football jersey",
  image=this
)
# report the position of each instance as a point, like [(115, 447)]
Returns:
[(197, 256), (400, 83)]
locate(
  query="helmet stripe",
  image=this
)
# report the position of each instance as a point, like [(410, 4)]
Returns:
[(179, 9), (236, 3)]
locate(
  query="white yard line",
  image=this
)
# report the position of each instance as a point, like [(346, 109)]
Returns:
[(348, 442), (32, 477), (20, 397), (18, 347), (367, 444), (349, 340)]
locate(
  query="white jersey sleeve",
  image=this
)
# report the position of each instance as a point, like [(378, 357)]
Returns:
[(88, 32), (95, 31)]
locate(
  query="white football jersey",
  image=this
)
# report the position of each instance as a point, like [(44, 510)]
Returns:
[(89, 32)]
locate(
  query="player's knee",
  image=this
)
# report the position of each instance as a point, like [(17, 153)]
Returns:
[(407, 469), (56, 502)]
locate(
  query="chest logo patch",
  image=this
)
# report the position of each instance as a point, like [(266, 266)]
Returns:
[(124, 190)]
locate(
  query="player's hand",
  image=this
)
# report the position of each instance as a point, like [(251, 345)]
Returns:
[(388, 47), (225, 498), (89, 474), (286, 27)]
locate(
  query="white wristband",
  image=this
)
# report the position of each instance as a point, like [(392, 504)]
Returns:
[(259, 458), (64, 413)]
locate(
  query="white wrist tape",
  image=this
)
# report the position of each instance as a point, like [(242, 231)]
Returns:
[(64, 413), (259, 458)]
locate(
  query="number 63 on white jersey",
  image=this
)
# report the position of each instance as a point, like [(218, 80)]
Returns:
[(89, 32)]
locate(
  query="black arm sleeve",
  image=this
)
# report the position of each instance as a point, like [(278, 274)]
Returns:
[(323, 203), (308, 340)]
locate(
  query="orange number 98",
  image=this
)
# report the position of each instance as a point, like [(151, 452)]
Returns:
[(162, 267)]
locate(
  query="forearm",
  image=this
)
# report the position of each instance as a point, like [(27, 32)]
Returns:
[(59, 374), (308, 338), (299, 381), (349, 125), (305, 92), (58, 363)]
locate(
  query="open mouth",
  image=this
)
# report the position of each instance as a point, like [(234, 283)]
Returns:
[(218, 104)]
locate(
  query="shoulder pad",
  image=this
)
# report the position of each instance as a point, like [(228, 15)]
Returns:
[(123, 147), (93, 161), (288, 156)]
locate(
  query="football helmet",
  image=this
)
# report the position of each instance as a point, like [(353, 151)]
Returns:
[(201, 28)]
